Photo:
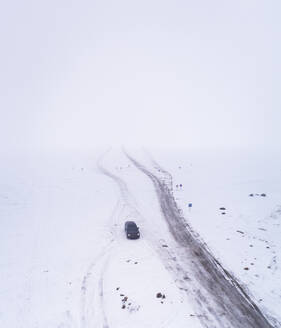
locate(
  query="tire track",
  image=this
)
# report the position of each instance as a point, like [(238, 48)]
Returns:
[(92, 291), (129, 203), (224, 302), (92, 313)]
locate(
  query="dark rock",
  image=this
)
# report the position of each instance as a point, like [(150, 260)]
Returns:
[(159, 295), (222, 208), (246, 268), (164, 245), (123, 306), (263, 195), (251, 195)]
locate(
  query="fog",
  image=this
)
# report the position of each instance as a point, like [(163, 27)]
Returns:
[(81, 74)]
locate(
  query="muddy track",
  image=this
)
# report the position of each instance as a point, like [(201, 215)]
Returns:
[(225, 301)]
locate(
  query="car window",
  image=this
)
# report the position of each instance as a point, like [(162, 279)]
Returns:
[(132, 226)]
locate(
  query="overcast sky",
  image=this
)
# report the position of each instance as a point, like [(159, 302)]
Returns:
[(169, 73)]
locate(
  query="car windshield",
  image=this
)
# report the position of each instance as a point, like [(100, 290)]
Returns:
[(132, 227)]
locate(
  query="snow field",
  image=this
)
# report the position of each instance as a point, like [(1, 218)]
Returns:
[(65, 259)]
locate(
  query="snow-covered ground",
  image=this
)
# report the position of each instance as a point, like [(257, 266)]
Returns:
[(65, 261)]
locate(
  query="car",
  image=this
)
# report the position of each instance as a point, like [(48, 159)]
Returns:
[(132, 230)]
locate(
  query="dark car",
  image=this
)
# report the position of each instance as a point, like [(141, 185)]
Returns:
[(132, 230)]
